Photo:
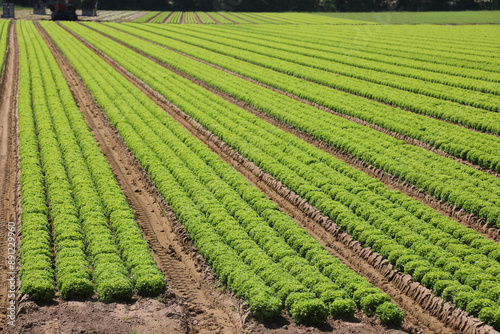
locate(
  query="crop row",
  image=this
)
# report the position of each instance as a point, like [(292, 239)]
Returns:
[(160, 18), (477, 148), (454, 41), (145, 17), (205, 19), (465, 115), (479, 52), (436, 168), (175, 17), (472, 190), (290, 60), (82, 195), (282, 255), (457, 263), (233, 17), (4, 32), (369, 53), (367, 40), (190, 18), (306, 46), (36, 251), (219, 18), (481, 81)]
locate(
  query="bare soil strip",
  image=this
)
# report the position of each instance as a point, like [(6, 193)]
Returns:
[(183, 18), (9, 169), (423, 309), (467, 219), (186, 272)]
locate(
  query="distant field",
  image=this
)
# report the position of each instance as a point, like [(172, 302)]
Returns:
[(239, 18), (465, 17)]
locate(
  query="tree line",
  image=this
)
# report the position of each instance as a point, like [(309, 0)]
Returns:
[(289, 5)]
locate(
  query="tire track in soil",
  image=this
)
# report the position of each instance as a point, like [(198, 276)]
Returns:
[(185, 270), (9, 167), (467, 219), (422, 307)]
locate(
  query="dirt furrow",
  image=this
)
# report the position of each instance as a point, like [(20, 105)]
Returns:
[(185, 270), (467, 219), (9, 180), (425, 311)]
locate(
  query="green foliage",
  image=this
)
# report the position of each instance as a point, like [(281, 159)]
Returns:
[(370, 302), (309, 311), (238, 231), (81, 191), (390, 314), (342, 308)]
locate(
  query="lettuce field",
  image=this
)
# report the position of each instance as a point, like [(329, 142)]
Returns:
[(249, 173)]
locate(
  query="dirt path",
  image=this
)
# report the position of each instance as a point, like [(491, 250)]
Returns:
[(424, 310), (183, 18), (186, 272), (467, 219), (9, 173)]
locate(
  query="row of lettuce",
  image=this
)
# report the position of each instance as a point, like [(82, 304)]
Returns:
[(242, 18), (477, 148), (355, 69), (4, 32), (159, 18), (256, 250), (70, 199), (429, 44), (384, 47), (146, 17), (415, 80), (468, 189), (456, 262)]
